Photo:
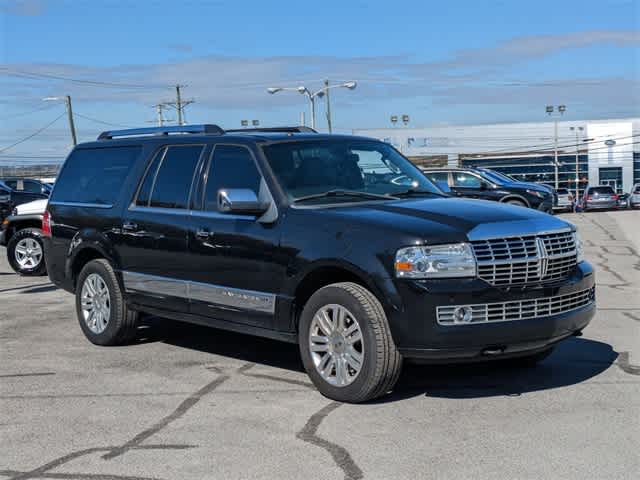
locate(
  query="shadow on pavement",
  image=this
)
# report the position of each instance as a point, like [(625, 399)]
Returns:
[(574, 361)]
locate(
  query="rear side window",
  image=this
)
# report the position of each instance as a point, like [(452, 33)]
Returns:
[(95, 175), (231, 167), (168, 180)]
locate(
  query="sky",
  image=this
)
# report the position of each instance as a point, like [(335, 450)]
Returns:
[(441, 63)]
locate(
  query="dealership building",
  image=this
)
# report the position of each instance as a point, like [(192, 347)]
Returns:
[(591, 152)]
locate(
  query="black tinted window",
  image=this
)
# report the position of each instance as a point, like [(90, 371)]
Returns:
[(231, 167), (173, 180), (144, 194), (466, 180), (95, 175)]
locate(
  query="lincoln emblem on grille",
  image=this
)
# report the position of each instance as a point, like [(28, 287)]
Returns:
[(543, 257)]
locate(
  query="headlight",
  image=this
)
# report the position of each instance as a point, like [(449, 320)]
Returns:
[(437, 261), (579, 247), (536, 193)]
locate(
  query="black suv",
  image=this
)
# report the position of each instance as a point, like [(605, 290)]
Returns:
[(308, 238), (490, 185)]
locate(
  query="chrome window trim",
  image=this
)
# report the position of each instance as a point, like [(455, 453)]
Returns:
[(82, 204), (216, 295), (191, 213)]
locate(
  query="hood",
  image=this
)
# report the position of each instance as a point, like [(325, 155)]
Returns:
[(32, 208), (452, 219)]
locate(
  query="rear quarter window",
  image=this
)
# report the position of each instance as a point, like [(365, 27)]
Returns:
[(95, 175)]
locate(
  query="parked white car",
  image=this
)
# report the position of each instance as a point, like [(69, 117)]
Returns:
[(22, 235)]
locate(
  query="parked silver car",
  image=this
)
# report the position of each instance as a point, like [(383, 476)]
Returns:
[(600, 197), (565, 200), (634, 196)]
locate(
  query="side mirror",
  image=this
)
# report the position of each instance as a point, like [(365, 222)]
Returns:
[(484, 186), (240, 200)]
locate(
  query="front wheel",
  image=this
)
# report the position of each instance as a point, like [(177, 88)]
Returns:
[(518, 203), (102, 312), (346, 345)]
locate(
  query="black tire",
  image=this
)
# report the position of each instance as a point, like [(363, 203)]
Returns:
[(518, 203), (122, 323), (26, 234), (381, 363), (530, 360)]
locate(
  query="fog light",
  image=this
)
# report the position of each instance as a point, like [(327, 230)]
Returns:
[(462, 315)]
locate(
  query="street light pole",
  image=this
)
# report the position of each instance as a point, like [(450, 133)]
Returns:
[(577, 130), (561, 110), (67, 103), (312, 96)]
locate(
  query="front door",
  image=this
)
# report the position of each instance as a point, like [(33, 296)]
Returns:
[(237, 269), (153, 246)]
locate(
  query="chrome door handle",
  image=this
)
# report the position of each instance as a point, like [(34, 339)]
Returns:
[(203, 233), (130, 226)]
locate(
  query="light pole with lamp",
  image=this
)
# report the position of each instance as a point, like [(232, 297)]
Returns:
[(561, 109), (312, 96), (578, 131), (67, 102)]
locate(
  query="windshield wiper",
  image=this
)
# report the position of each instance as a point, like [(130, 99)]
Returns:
[(345, 193), (410, 192)]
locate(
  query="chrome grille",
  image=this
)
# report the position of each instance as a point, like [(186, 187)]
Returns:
[(518, 310), (527, 259)]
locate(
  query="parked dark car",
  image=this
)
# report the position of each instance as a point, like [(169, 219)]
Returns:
[(15, 192), (475, 183), (308, 238), (21, 233), (601, 197)]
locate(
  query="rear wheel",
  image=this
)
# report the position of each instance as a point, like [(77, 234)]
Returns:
[(25, 252), (102, 312), (346, 344)]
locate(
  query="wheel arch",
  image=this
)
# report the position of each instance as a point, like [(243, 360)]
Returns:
[(87, 246), (323, 273), (513, 196)]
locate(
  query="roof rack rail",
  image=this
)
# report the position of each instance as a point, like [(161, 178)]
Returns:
[(298, 129), (132, 132)]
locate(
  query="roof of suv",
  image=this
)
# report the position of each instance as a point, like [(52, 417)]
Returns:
[(208, 132)]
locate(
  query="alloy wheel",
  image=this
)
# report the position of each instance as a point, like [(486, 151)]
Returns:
[(336, 345)]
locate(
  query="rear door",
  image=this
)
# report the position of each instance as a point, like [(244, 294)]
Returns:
[(237, 266), (470, 185), (153, 246)]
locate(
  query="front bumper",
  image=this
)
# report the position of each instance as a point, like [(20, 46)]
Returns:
[(418, 334), (3, 238)]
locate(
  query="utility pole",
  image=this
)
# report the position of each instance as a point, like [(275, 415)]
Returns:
[(302, 119), (179, 105), (72, 126), (326, 90)]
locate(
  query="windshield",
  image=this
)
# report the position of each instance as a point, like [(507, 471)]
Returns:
[(497, 177), (317, 167)]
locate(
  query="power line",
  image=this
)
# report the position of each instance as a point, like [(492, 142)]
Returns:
[(33, 134), (101, 121), (25, 74), (22, 114)]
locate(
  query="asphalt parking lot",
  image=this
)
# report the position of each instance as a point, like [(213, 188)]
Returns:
[(193, 403)]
